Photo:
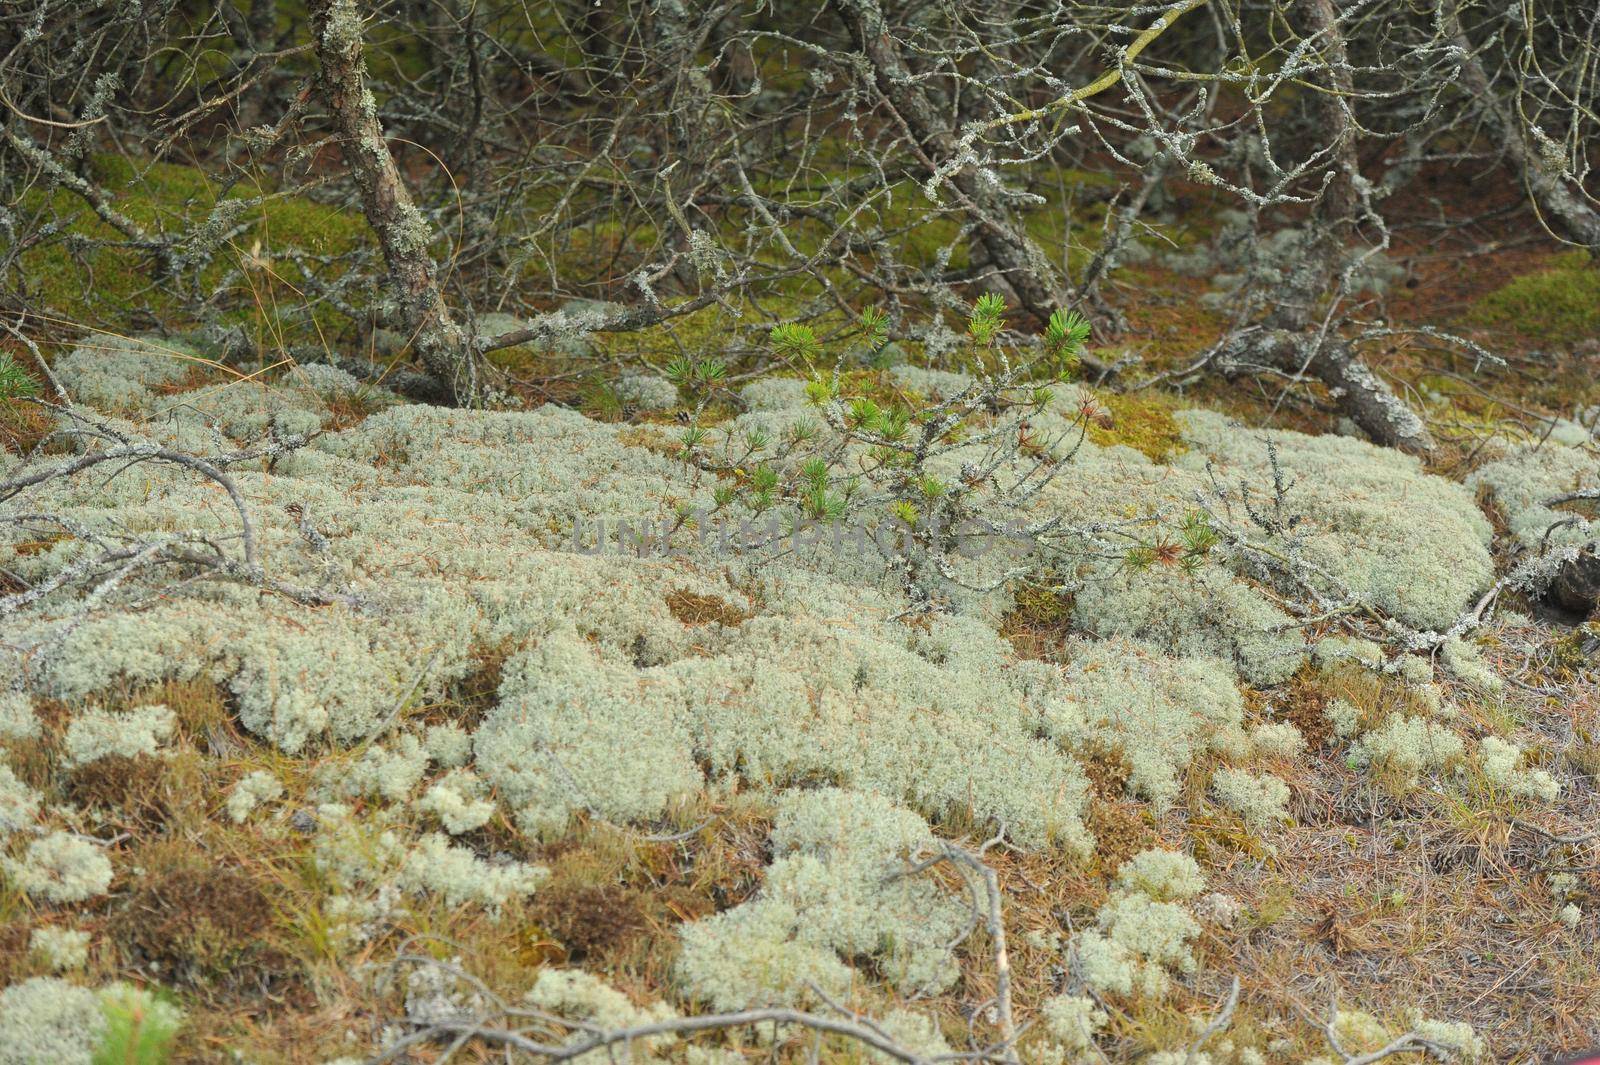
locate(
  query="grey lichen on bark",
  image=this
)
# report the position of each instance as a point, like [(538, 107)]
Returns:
[(404, 234)]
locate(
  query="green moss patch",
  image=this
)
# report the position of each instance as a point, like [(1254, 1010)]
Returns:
[(1143, 421), (1559, 305)]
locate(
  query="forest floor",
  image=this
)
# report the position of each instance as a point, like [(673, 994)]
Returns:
[(480, 781)]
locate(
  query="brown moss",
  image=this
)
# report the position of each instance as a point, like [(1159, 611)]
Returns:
[(30, 760), (591, 921), (198, 375), (1108, 772), (693, 608), (723, 868), (133, 787), (1119, 833), (1303, 703), (15, 965), (202, 707), (1040, 622), (346, 410), (476, 693), (1584, 755), (193, 921)]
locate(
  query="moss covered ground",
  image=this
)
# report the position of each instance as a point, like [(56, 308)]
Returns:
[(622, 787)]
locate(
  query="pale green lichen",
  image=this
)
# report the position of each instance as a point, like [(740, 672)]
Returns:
[(19, 803), (1501, 763), (458, 802), (387, 771), (1330, 651), (17, 719), (458, 876), (1166, 876), (448, 745), (96, 734), (1466, 663), (47, 1020), (1405, 747), (574, 731), (251, 791), (372, 862), (1072, 1022), (1402, 541), (839, 887), (1143, 930), (1343, 716), (1461, 1041), (1158, 712), (863, 705), (60, 949), (916, 1032), (1260, 799), (583, 997), (1277, 739), (646, 391), (1525, 479), (61, 868), (1206, 614), (119, 373)]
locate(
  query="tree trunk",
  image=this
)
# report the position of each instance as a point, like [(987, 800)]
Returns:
[(1291, 338), (1001, 242), (1546, 180), (403, 233)]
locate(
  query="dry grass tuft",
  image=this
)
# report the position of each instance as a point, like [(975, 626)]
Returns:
[(693, 609)]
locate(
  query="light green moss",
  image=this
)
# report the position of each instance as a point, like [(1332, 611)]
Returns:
[(104, 284), (1143, 421), (1558, 305)]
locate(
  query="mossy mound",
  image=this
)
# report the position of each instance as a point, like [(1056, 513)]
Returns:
[(1558, 305)]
